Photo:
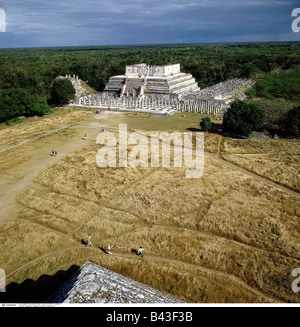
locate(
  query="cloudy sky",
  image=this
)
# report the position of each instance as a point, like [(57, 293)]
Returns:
[(40, 23)]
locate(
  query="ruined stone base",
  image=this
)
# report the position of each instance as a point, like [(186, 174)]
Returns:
[(95, 284)]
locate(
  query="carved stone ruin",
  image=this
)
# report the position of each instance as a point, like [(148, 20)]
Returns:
[(163, 90)]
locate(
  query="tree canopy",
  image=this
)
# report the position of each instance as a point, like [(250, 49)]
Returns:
[(206, 123), (292, 127), (20, 102), (242, 118), (62, 91), (284, 84)]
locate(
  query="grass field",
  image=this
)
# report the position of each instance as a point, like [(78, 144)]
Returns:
[(226, 237), (277, 160), (181, 122)]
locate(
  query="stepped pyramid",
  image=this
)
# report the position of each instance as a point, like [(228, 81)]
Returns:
[(95, 284), (81, 87), (142, 80)]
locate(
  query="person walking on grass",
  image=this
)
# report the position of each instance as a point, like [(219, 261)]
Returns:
[(140, 251), (108, 249), (89, 242)]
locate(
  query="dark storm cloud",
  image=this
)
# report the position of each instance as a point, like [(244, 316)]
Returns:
[(97, 22)]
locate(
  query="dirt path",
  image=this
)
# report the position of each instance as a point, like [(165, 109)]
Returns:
[(49, 133), (15, 180)]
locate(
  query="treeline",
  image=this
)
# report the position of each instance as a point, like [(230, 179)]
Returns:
[(20, 102), (34, 70)]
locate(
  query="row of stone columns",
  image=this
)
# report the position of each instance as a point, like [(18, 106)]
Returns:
[(201, 106), (227, 88), (194, 105), (74, 76)]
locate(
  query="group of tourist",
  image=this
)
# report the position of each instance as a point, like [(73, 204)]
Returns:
[(139, 252)]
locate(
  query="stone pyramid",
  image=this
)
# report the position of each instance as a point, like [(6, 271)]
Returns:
[(146, 80)]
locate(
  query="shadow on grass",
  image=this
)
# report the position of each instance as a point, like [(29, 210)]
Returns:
[(214, 129), (193, 129), (103, 250), (134, 251), (84, 242)]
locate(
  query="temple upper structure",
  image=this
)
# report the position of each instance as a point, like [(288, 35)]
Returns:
[(144, 80), (143, 70)]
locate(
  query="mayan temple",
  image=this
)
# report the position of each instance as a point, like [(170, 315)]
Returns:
[(163, 90), (142, 81)]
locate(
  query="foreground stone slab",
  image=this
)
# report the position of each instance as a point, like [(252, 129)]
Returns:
[(95, 284)]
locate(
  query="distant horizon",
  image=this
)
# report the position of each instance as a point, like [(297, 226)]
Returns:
[(66, 23), (145, 45)]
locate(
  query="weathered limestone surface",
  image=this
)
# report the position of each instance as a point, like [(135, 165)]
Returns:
[(140, 70), (95, 284)]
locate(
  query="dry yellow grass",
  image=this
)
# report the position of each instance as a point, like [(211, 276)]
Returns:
[(22, 242), (16, 141), (36, 127), (223, 238), (277, 160)]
